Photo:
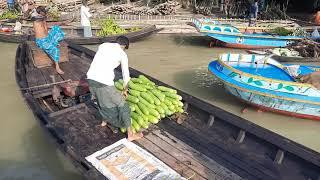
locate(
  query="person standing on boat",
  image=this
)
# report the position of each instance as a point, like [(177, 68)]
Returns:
[(85, 19), (113, 108), (253, 13), (48, 41)]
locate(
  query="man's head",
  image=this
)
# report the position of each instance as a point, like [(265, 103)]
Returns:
[(123, 41), (41, 10)]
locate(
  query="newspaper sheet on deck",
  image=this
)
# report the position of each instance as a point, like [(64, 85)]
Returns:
[(125, 160)]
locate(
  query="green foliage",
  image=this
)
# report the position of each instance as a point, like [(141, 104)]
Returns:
[(54, 13), (281, 31), (9, 15), (109, 27)]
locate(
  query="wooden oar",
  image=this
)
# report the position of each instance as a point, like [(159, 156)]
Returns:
[(45, 85)]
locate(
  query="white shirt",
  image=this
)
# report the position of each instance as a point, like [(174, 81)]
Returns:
[(108, 57), (85, 15), (18, 26)]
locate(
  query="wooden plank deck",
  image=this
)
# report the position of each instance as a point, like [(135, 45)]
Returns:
[(75, 70), (79, 129)]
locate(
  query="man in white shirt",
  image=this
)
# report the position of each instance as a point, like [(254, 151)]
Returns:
[(85, 21), (111, 103)]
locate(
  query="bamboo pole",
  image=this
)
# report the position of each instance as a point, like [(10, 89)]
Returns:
[(45, 85)]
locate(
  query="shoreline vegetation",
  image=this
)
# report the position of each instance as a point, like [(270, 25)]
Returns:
[(171, 16)]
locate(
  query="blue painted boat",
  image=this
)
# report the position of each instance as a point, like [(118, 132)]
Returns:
[(263, 82), (230, 36)]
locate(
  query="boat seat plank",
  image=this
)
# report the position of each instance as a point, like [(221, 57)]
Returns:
[(81, 66), (82, 130), (35, 78), (68, 72), (191, 152), (52, 71), (187, 160), (172, 162)]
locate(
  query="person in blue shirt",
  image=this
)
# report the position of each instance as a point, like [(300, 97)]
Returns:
[(10, 4), (253, 13)]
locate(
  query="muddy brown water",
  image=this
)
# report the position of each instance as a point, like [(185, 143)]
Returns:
[(178, 60)]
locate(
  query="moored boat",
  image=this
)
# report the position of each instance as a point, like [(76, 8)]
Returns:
[(210, 143), (230, 36), (75, 34), (263, 82)]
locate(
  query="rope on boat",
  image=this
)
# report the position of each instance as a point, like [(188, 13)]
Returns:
[(45, 85)]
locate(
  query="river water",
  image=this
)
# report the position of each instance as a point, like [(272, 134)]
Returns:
[(178, 60)]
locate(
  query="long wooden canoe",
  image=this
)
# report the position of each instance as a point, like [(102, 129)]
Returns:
[(75, 34), (211, 143)]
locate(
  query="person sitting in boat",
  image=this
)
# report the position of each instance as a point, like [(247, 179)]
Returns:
[(85, 21), (113, 108), (253, 13), (48, 41), (312, 78)]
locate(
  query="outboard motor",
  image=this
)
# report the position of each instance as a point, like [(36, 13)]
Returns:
[(71, 93)]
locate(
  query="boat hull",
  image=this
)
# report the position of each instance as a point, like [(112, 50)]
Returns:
[(234, 38), (281, 97), (278, 105), (10, 37), (247, 42)]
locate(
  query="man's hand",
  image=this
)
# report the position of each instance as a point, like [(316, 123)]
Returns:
[(313, 78), (125, 92)]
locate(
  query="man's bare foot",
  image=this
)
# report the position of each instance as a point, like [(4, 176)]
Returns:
[(134, 136), (103, 124), (59, 71)]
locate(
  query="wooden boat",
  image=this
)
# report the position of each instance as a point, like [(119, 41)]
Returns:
[(25, 35), (210, 143), (75, 34), (230, 36), (286, 59), (261, 25), (262, 82)]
